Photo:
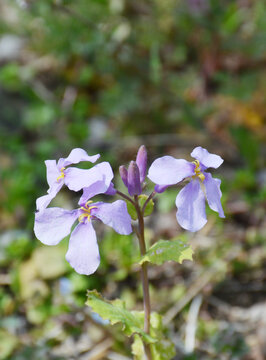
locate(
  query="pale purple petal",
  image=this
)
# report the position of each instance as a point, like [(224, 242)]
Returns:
[(114, 215), (77, 155), (52, 172), (213, 193), (53, 224), (107, 172), (169, 171), (111, 190), (205, 158), (190, 204), (83, 253), (77, 179), (96, 188), (141, 161), (43, 201)]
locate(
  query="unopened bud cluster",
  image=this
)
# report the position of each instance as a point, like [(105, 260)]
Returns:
[(134, 177)]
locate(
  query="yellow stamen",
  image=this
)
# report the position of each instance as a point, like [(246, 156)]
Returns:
[(87, 211), (88, 202), (62, 174), (197, 170), (201, 176), (82, 216), (196, 162)]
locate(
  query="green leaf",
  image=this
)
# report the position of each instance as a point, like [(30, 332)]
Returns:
[(131, 210), (142, 199), (163, 349), (165, 250), (138, 348), (115, 312), (149, 207)]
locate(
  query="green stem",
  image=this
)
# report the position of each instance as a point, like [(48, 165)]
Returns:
[(125, 197), (144, 276)]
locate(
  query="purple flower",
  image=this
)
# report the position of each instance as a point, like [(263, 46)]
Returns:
[(75, 179), (136, 173), (190, 201), (53, 224)]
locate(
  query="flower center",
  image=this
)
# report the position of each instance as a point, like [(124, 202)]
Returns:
[(62, 174), (197, 170), (86, 211)]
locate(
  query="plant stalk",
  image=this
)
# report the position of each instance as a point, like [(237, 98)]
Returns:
[(125, 197), (144, 276)]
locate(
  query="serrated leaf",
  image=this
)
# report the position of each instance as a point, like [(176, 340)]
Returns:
[(142, 199), (138, 348), (115, 312), (168, 250)]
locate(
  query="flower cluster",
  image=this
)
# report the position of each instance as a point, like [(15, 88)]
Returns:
[(190, 201), (134, 177), (53, 224)]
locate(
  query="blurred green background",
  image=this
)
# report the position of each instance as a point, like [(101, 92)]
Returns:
[(108, 76)]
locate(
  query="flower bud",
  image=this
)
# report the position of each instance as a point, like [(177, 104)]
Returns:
[(123, 174), (134, 186), (141, 161)]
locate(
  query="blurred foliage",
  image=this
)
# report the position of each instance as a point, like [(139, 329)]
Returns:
[(109, 75)]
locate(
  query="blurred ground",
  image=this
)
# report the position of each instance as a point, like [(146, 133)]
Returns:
[(109, 76)]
